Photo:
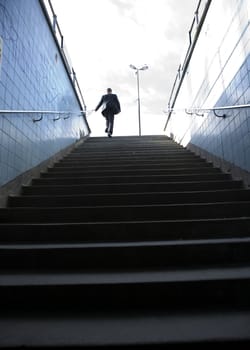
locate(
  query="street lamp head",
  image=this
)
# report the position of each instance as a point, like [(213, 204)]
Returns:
[(144, 67), (132, 66), (141, 68)]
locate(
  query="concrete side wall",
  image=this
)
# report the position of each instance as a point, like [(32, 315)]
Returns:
[(32, 77), (218, 75)]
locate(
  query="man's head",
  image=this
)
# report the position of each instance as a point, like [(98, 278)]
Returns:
[(109, 91)]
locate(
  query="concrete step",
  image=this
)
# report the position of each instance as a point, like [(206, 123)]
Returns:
[(129, 198), (83, 154), (119, 256), (146, 158), (145, 329), (123, 140), (121, 290), (125, 231), (56, 278), (131, 162), (116, 144), (132, 187), (52, 172), (126, 241), (128, 146), (151, 146), (101, 179), (136, 166), (132, 155), (87, 151), (127, 212), (133, 138)]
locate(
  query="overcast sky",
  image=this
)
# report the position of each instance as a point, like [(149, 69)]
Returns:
[(104, 37)]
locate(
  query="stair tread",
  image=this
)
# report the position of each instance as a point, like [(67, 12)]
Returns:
[(50, 200), (59, 278), (168, 205), (118, 184), (150, 272), (219, 191), (121, 222), (126, 194), (126, 244), (140, 328), (136, 176), (208, 167)]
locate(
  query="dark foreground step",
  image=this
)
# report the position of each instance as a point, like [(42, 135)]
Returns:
[(130, 157), (127, 213), (129, 150), (107, 145), (132, 138), (57, 278), (101, 330), (114, 143), (125, 231), (112, 291), (128, 141), (136, 166), (133, 187), (130, 162), (114, 153), (126, 255), (129, 198), (52, 172), (102, 179)]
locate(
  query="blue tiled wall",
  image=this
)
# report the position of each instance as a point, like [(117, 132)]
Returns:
[(218, 75), (32, 77)]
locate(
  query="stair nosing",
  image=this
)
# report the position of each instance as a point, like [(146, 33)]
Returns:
[(122, 222), (124, 244), (138, 183), (117, 194), (123, 277), (190, 204)]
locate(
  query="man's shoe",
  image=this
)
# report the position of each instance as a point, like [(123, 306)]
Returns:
[(106, 130), (109, 135)]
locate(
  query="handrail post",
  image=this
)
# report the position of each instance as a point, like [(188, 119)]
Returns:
[(74, 77), (199, 20), (54, 24), (139, 102)]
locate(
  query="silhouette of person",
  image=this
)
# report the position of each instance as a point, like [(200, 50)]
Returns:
[(111, 106)]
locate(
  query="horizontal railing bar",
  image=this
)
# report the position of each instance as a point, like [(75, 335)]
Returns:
[(207, 109), (41, 112)]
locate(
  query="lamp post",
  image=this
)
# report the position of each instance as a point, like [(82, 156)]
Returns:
[(138, 91)]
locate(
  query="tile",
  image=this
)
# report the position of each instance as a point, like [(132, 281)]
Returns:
[(229, 85), (27, 76)]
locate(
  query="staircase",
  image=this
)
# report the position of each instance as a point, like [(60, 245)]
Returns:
[(126, 242)]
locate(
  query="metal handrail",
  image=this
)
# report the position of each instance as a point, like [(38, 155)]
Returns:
[(193, 37), (67, 114), (202, 110), (8, 111)]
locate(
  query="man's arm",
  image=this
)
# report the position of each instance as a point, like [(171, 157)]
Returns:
[(118, 103), (99, 104)]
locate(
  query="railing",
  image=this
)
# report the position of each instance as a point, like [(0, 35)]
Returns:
[(201, 111), (199, 17), (57, 115), (47, 5)]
